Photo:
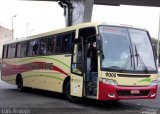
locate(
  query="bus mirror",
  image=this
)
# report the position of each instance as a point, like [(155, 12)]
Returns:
[(91, 38), (78, 40), (99, 43), (155, 51)]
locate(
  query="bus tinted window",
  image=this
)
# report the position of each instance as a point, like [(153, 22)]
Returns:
[(23, 49), (43, 46), (4, 51), (18, 50), (51, 45), (66, 43), (58, 44), (11, 50), (33, 48)]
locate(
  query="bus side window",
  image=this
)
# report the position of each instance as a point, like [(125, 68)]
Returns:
[(5, 51), (11, 50), (67, 43), (43, 46), (23, 51), (51, 45), (58, 44), (18, 54), (33, 48)]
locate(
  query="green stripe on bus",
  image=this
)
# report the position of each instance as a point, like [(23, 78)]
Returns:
[(46, 58), (146, 80), (39, 76), (43, 76), (56, 60)]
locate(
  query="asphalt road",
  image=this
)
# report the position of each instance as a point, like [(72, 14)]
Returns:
[(43, 102)]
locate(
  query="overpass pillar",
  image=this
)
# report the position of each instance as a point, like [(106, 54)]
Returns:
[(77, 11)]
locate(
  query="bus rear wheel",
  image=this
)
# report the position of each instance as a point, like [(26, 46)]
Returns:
[(19, 82), (68, 94)]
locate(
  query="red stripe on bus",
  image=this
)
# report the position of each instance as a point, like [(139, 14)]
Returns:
[(14, 69)]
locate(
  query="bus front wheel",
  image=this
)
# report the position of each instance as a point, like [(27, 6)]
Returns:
[(19, 82), (68, 94)]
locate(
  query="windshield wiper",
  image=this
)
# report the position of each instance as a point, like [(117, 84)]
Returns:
[(138, 57), (129, 58)]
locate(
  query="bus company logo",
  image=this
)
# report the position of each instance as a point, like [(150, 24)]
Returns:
[(113, 75), (41, 66)]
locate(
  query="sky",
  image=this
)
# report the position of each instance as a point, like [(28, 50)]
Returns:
[(34, 17)]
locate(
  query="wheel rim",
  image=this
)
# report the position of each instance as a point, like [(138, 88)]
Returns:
[(68, 92), (68, 95), (19, 84)]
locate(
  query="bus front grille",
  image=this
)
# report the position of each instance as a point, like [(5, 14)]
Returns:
[(133, 76), (128, 93)]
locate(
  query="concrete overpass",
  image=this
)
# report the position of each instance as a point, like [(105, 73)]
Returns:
[(79, 11), (153, 3)]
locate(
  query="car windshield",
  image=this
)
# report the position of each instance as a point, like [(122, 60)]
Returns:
[(126, 49)]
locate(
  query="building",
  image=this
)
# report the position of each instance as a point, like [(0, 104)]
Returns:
[(5, 35)]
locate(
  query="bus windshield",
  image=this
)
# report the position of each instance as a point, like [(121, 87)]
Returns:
[(126, 49)]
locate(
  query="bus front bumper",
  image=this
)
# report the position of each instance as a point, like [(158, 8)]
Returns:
[(110, 92)]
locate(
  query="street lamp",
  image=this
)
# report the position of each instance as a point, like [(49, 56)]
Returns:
[(12, 27)]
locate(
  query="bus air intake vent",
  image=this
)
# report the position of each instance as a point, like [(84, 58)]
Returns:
[(128, 93), (133, 76)]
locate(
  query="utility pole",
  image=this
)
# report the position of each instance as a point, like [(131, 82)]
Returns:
[(13, 26), (158, 42)]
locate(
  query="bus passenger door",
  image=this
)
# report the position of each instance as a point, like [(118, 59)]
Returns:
[(90, 61), (91, 70), (77, 68)]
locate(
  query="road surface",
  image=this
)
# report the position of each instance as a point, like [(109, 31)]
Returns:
[(43, 102)]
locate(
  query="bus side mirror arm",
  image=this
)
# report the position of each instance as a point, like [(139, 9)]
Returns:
[(99, 43), (155, 51)]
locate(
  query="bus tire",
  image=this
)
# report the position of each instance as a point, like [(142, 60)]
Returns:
[(19, 82), (68, 95)]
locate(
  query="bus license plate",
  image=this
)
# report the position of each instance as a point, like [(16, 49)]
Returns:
[(135, 92)]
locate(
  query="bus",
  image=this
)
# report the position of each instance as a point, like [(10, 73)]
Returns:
[(91, 60)]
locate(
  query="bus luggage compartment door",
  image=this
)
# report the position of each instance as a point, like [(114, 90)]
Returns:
[(76, 85)]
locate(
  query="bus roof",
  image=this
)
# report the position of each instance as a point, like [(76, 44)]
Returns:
[(66, 29)]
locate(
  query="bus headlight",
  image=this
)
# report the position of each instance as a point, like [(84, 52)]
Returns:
[(108, 81), (154, 83)]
